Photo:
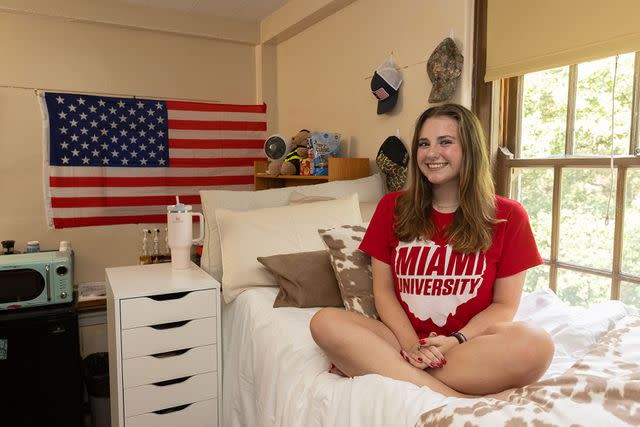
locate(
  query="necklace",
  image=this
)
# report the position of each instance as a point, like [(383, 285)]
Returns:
[(445, 208)]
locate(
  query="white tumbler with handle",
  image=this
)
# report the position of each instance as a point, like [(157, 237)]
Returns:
[(180, 234)]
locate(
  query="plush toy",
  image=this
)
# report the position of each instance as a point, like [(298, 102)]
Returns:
[(299, 149), (274, 167)]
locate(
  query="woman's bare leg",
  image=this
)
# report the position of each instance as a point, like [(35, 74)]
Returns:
[(510, 354), (507, 355), (358, 346)]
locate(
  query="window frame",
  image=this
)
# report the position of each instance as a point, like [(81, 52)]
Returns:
[(508, 158)]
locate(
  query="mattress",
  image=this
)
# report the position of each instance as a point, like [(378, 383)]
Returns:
[(275, 375)]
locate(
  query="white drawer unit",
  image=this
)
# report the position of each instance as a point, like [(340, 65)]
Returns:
[(164, 350), (197, 414)]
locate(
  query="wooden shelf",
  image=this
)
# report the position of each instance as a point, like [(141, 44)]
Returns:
[(296, 177), (340, 168)]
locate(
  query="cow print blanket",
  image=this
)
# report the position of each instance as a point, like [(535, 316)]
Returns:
[(601, 389)]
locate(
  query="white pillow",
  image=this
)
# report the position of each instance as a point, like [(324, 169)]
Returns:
[(369, 189), (244, 236), (367, 209)]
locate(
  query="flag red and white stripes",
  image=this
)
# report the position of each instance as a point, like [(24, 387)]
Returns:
[(126, 163)]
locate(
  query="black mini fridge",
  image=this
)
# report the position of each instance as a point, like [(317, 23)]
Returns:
[(40, 368)]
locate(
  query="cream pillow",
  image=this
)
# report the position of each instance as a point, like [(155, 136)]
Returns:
[(245, 236), (367, 209), (369, 189)]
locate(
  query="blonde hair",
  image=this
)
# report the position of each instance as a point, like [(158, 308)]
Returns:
[(472, 226)]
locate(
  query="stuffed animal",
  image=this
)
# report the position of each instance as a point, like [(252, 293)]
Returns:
[(299, 149), (274, 167)]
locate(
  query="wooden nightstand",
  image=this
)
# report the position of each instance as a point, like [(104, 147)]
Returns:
[(164, 353)]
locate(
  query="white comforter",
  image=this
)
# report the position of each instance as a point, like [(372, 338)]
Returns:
[(275, 375)]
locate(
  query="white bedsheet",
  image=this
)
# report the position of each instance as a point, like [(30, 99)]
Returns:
[(275, 375)]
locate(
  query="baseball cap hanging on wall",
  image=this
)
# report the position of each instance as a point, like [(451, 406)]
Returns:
[(385, 85), (392, 159), (444, 68)]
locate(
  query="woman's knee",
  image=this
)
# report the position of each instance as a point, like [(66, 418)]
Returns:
[(324, 325), (531, 349)]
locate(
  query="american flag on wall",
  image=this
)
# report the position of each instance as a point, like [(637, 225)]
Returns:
[(123, 160)]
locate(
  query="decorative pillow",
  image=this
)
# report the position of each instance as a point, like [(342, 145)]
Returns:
[(244, 236), (306, 279), (352, 267), (369, 189)]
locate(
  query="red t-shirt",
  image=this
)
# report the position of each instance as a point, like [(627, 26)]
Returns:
[(441, 289)]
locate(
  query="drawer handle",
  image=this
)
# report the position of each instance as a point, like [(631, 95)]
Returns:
[(171, 382), (174, 409), (171, 325), (165, 297), (170, 353)]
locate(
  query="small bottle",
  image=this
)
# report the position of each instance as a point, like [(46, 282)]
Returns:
[(310, 155), (155, 258), (145, 258), (33, 246)]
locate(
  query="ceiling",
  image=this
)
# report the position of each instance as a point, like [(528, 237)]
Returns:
[(242, 10)]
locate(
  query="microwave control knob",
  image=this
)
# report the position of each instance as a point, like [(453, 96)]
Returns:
[(63, 295), (61, 270)]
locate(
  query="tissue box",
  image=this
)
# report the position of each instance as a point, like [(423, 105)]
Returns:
[(325, 145)]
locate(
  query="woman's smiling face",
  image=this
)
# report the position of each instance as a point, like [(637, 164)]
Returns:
[(439, 153)]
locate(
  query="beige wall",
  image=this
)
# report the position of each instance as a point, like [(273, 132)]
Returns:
[(53, 53), (322, 72), (316, 78)]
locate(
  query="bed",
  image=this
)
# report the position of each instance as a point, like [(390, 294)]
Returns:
[(275, 375)]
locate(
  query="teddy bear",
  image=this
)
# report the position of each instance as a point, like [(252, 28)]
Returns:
[(291, 163)]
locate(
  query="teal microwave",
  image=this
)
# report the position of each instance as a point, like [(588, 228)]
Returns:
[(35, 279)]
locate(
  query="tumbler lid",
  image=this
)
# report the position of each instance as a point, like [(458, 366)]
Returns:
[(179, 207)]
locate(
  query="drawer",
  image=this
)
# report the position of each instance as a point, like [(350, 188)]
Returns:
[(165, 366), (168, 337), (154, 397), (199, 414), (165, 308)]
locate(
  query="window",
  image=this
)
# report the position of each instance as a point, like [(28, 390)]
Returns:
[(578, 180)]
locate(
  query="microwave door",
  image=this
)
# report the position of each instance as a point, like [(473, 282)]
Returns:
[(24, 287)]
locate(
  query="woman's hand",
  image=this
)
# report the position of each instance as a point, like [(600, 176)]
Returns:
[(440, 343), (423, 355)]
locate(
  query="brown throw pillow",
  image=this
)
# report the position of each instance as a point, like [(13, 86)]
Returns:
[(306, 279), (352, 267)]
